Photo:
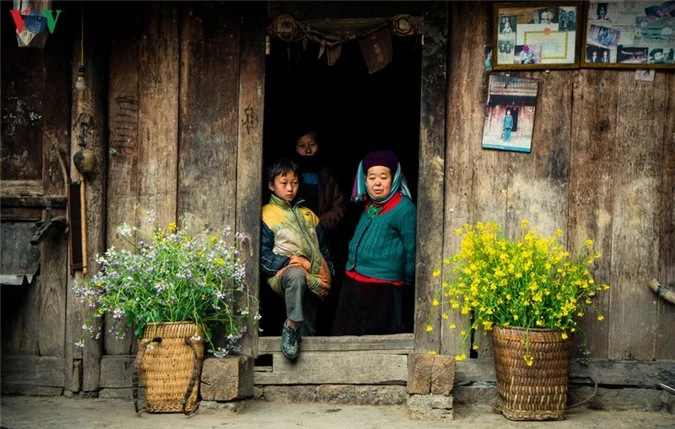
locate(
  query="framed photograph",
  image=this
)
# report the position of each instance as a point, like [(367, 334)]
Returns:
[(509, 113), (635, 34), (541, 35)]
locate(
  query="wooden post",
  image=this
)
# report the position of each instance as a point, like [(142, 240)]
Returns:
[(249, 150), (430, 200), (88, 104)]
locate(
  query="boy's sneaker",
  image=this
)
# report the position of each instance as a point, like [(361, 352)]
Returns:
[(290, 342)]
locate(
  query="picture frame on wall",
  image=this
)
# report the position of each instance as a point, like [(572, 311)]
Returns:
[(541, 35), (509, 113), (637, 35)]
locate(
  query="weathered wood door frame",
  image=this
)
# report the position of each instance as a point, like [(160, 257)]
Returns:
[(390, 351)]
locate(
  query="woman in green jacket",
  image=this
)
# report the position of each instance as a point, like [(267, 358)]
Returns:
[(381, 261)]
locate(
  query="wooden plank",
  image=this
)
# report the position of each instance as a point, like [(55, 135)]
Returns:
[(56, 113), (475, 179), (636, 172), (24, 77), (540, 179), (32, 370), (665, 340), (123, 175), (646, 374), (51, 318), (590, 195), (336, 368), (249, 151), (22, 187), (431, 172), (88, 108), (209, 67), (402, 343), (57, 202), (159, 56), (23, 390)]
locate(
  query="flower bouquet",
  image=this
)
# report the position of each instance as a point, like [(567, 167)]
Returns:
[(531, 292), (175, 276)]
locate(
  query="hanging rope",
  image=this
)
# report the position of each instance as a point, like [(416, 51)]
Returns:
[(288, 29)]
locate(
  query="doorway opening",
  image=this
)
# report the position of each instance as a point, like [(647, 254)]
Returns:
[(352, 112)]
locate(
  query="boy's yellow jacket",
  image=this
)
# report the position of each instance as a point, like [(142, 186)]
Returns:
[(293, 230)]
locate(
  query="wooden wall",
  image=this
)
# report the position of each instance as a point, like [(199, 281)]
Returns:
[(184, 129), (601, 167), (35, 141), (182, 96)]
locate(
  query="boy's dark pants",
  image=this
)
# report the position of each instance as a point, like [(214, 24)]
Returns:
[(302, 305)]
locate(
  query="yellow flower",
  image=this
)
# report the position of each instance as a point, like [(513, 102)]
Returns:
[(601, 317), (564, 335), (497, 277), (462, 332), (460, 357), (430, 328), (431, 352), (436, 272), (453, 326), (171, 227), (475, 347), (220, 261)]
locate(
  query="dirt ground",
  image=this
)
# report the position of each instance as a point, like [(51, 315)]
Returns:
[(59, 412)]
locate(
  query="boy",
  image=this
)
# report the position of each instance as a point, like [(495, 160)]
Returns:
[(293, 255)]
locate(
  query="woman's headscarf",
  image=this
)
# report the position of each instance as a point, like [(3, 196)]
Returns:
[(384, 158)]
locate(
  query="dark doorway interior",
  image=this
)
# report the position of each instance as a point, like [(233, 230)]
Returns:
[(353, 113)]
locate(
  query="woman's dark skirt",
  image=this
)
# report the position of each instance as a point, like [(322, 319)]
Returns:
[(368, 309)]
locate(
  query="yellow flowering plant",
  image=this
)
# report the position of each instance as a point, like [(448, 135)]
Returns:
[(175, 275), (531, 282)]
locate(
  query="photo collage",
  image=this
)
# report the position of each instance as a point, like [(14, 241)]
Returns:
[(630, 33)]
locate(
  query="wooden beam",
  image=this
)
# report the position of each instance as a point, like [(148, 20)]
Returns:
[(636, 172), (123, 165), (22, 187), (430, 199), (336, 368), (603, 372), (665, 340), (402, 343), (57, 201), (209, 85), (249, 152), (33, 370), (88, 108)]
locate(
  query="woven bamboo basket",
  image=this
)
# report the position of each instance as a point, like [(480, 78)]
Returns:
[(169, 358), (537, 392)]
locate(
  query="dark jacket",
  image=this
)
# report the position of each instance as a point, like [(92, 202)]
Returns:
[(331, 201)]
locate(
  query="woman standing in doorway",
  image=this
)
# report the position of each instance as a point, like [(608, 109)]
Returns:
[(381, 261)]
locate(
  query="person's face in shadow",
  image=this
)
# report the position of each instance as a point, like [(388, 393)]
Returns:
[(306, 145)]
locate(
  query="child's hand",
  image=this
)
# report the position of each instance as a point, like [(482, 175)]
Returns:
[(300, 261)]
